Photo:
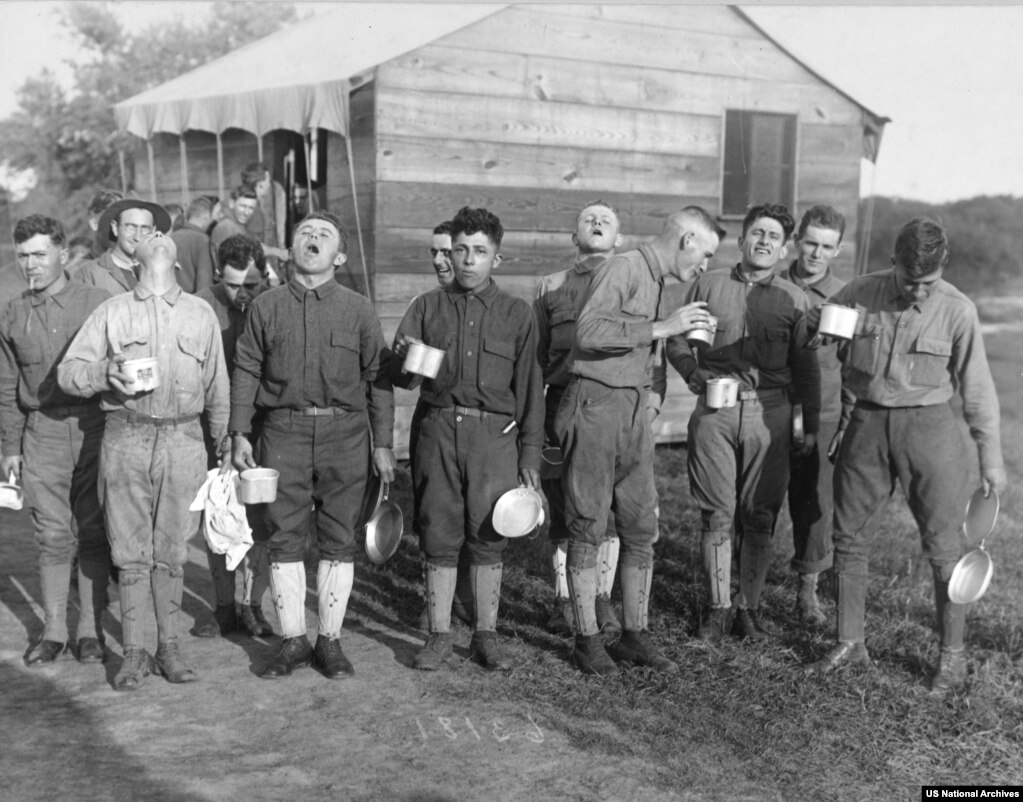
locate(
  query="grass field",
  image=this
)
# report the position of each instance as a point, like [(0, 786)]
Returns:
[(744, 721)]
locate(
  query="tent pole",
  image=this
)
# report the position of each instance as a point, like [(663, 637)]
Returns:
[(358, 222), (124, 171), (184, 169), (259, 147), (152, 170), (220, 168)]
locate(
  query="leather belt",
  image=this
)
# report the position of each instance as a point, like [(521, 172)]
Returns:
[(472, 412), (149, 420), (64, 412), (316, 412), (756, 395)]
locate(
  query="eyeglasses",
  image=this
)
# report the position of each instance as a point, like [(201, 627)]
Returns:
[(132, 229)]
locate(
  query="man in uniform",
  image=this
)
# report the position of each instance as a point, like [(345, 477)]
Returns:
[(741, 453), (240, 209), (818, 241), (126, 223), (152, 461), (559, 298), (480, 434), (243, 271), (605, 433), (312, 360), (917, 341), (51, 440), (194, 258)]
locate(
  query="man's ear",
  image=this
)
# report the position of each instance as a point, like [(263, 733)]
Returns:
[(575, 239), (783, 252), (497, 260), (64, 256), (619, 239), (340, 259)]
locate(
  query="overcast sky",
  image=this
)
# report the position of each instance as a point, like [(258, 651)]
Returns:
[(950, 77)]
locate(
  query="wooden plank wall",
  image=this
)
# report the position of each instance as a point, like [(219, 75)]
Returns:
[(539, 109)]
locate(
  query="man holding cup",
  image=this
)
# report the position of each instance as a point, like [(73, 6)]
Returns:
[(311, 360), (51, 440), (738, 455), (152, 460), (917, 341), (818, 241), (604, 428)]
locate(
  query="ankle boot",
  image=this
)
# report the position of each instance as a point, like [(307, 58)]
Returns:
[(135, 667), (171, 665), (951, 672), (590, 656), (293, 653)]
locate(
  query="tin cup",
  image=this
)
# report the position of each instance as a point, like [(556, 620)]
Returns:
[(422, 359), (722, 392), (11, 496), (144, 374), (258, 486), (704, 334), (838, 321)]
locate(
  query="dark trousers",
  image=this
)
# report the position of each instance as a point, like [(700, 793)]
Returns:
[(323, 461), (922, 448), (608, 449), (463, 464), (811, 504)]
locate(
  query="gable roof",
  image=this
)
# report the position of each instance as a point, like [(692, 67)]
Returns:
[(296, 78)]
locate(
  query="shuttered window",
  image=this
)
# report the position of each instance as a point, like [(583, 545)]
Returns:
[(760, 159)]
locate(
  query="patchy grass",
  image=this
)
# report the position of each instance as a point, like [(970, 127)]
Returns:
[(744, 721)]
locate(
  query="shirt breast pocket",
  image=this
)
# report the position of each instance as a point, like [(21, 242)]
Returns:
[(928, 366), (343, 365), (562, 331), (28, 353), (188, 381), (132, 341), (773, 348), (497, 363), (865, 347), (281, 353)]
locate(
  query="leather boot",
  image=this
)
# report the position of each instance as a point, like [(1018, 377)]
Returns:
[(807, 606), (330, 660), (845, 653), (486, 647), (590, 656), (951, 672), (293, 653), (747, 625), (255, 623), (439, 647), (562, 620), (638, 648), (170, 664), (852, 602), (224, 622), (440, 590), (608, 622), (135, 667)]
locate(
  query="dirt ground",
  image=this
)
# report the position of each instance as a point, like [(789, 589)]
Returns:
[(385, 734)]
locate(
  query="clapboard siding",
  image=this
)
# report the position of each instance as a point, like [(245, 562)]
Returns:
[(543, 30), (411, 204), (494, 164), (526, 122), (559, 80), (721, 20)]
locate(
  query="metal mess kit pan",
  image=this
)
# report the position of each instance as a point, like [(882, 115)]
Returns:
[(972, 574)]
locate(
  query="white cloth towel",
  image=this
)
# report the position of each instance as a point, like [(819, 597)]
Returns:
[(225, 524)]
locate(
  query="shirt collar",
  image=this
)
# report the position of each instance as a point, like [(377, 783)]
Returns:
[(652, 262), (824, 286), (324, 290), (171, 296), (737, 275), (61, 298), (589, 263), (487, 295)]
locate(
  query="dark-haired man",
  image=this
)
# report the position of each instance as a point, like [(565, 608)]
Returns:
[(125, 223), (312, 360), (917, 342), (50, 440), (738, 457), (152, 461), (480, 435), (440, 252), (242, 276), (195, 261), (604, 428), (818, 241)]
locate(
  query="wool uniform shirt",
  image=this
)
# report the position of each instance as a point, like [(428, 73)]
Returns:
[(761, 337), (106, 273), (490, 362), (35, 328), (195, 260), (230, 318), (836, 400), (320, 347), (179, 330), (906, 354), (614, 342)]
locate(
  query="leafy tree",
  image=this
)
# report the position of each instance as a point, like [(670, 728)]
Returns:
[(70, 138)]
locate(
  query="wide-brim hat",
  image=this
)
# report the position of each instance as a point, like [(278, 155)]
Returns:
[(104, 236)]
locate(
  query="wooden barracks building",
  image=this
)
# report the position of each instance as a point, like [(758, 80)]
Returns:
[(396, 115)]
